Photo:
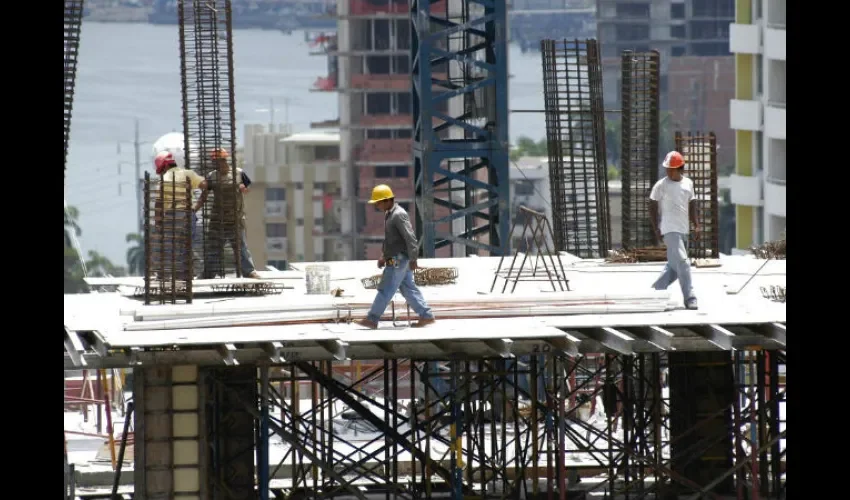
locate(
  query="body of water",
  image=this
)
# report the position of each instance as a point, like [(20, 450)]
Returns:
[(132, 71)]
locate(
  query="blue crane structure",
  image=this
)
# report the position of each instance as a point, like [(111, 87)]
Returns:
[(459, 65)]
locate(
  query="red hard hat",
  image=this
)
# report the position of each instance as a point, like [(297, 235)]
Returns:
[(163, 161), (674, 159)]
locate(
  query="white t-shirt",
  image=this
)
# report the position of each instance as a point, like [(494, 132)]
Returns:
[(673, 198)]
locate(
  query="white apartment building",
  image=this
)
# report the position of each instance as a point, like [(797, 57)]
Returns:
[(757, 114), (295, 208)]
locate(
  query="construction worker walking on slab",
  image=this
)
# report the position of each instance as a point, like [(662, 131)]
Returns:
[(672, 198), (398, 260)]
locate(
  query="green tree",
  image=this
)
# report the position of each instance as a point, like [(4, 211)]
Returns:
[(98, 265), (136, 254), (527, 146), (73, 268)]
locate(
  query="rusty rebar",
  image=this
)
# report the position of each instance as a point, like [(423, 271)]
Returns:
[(700, 153), (770, 250), (167, 224), (209, 126), (641, 74), (575, 134)]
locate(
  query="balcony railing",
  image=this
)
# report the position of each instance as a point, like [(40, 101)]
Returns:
[(775, 180)]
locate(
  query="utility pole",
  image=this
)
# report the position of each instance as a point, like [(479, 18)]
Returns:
[(136, 146)]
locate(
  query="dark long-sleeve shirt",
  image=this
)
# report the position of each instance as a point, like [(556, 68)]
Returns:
[(398, 234)]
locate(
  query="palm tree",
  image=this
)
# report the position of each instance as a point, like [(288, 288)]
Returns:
[(71, 226), (99, 265), (136, 254)]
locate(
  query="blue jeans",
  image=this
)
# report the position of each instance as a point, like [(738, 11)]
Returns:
[(215, 247), (677, 267), (398, 278)]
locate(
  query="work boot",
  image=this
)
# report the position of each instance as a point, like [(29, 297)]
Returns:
[(253, 274), (423, 322), (368, 324), (691, 304)]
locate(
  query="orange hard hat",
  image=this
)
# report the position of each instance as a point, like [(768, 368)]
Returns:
[(674, 159), (219, 153)]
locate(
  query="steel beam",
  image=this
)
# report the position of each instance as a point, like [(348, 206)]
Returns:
[(460, 124)]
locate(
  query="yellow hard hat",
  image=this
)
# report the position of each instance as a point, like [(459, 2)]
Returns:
[(381, 192)]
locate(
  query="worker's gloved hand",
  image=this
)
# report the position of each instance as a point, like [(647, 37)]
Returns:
[(381, 263), (413, 265)]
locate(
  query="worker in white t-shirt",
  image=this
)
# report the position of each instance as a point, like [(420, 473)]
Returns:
[(673, 199)]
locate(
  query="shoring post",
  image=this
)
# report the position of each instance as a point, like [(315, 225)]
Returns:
[(519, 464), (775, 450), (313, 418), (387, 440), (426, 467), (414, 428), (741, 475), (456, 447), (329, 403), (762, 416), (535, 445), (263, 444), (558, 396)]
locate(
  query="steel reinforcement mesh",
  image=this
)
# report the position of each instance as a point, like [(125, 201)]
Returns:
[(639, 129), (700, 153), (209, 128), (575, 135), (73, 21), (169, 269)]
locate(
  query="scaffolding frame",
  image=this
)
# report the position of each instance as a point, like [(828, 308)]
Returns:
[(502, 428), (72, 24)]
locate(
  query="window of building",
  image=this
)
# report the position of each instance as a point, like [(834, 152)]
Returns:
[(677, 31), (632, 32), (377, 65), (633, 10), (383, 172), (405, 205), (711, 48), (714, 8), (402, 34), (321, 186), (524, 188), (404, 102), (317, 222), (677, 50), (379, 133), (326, 153), (378, 103), (401, 171), (401, 65), (381, 33), (276, 194), (299, 222), (276, 230), (299, 185), (280, 265), (403, 133), (677, 11)]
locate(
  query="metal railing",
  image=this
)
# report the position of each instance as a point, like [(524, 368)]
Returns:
[(775, 180)]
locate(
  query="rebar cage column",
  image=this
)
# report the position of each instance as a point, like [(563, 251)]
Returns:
[(209, 126), (73, 21), (575, 135), (641, 72), (167, 222), (460, 123), (700, 153)]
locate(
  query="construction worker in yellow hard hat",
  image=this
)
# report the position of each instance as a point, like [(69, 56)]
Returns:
[(398, 260), (672, 200)]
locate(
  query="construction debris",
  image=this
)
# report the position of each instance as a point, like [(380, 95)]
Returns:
[(631, 256), (423, 276), (774, 293), (770, 250)]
